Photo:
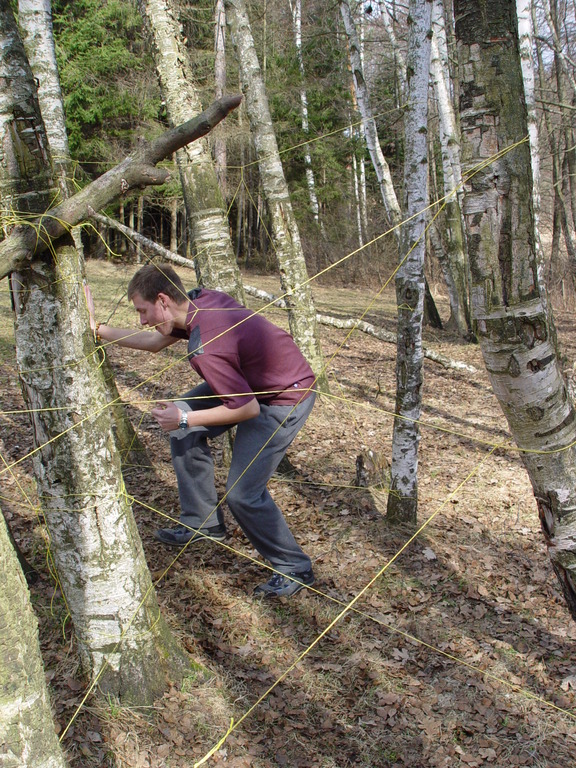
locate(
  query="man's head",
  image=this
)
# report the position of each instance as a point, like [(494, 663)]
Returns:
[(154, 279)]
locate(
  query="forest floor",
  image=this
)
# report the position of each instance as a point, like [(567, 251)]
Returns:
[(460, 653)]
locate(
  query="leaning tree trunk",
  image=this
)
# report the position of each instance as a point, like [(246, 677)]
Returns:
[(381, 167), (27, 733), (515, 327), (35, 22), (410, 284), (285, 234), (205, 208), (124, 643)]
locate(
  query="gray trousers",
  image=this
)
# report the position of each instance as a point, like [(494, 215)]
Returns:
[(259, 446)]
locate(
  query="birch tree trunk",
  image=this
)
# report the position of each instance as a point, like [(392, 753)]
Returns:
[(205, 208), (559, 206), (35, 22), (381, 167), (453, 261), (285, 234), (220, 153), (563, 78), (123, 640), (410, 283), (515, 328), (526, 44), (27, 733), (296, 10)]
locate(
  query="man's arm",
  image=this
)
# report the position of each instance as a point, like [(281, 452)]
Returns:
[(149, 341), (168, 415)]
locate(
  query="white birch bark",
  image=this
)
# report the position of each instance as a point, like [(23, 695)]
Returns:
[(284, 229), (205, 208), (515, 329), (296, 9), (22, 137), (410, 283), (27, 733), (35, 19), (526, 41), (381, 167), (388, 22), (35, 23), (453, 255), (220, 149), (122, 639), (357, 200)]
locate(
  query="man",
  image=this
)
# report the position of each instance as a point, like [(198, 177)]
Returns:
[(255, 377)]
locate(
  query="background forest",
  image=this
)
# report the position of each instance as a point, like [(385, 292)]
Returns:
[(439, 638), (112, 97)]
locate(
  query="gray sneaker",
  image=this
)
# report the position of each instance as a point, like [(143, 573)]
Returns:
[(285, 584), (182, 534)]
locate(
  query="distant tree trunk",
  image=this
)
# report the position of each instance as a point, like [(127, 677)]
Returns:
[(410, 284), (205, 207), (526, 43), (515, 328), (565, 70), (559, 207), (27, 733), (35, 21), (381, 167), (285, 234), (296, 9), (123, 640), (453, 258)]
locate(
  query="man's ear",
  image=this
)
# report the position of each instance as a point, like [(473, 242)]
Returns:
[(164, 299)]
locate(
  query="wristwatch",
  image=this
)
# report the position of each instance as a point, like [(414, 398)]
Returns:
[(183, 423)]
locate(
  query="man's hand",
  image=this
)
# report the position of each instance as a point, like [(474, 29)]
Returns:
[(167, 415), (90, 305)]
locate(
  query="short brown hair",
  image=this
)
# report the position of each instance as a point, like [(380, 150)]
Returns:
[(153, 279)]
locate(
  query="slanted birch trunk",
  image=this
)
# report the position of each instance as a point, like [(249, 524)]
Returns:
[(124, 643), (381, 167), (205, 207), (410, 283), (27, 733), (284, 229), (514, 325), (35, 22)]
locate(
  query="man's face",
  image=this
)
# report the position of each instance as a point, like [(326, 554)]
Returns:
[(154, 314)]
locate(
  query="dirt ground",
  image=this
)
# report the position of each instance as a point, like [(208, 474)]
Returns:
[(460, 653)]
